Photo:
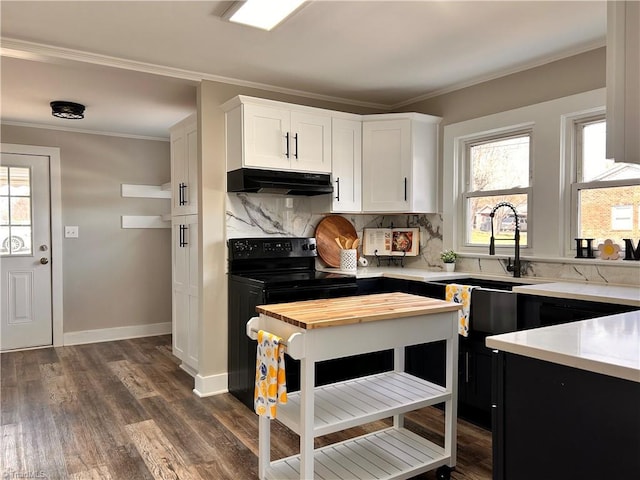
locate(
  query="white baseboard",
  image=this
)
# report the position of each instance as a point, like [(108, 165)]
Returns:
[(210, 385), (116, 333)]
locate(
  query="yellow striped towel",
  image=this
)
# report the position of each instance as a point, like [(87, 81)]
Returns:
[(271, 385), (461, 294)]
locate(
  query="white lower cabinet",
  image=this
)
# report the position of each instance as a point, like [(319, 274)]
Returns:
[(185, 314)]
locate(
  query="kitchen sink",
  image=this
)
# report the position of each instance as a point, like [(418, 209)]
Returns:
[(489, 284), (493, 305)]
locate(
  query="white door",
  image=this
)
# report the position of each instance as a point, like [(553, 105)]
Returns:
[(25, 247)]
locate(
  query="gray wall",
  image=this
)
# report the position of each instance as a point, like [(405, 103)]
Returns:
[(580, 73), (113, 277)]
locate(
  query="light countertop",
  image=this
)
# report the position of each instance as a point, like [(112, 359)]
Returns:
[(593, 292), (608, 345)]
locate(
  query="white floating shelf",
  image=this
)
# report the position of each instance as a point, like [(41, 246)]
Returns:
[(146, 191), (144, 221)]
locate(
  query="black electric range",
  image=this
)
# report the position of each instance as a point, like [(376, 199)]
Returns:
[(277, 270)]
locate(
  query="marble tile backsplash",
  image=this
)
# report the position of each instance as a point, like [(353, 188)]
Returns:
[(263, 215)]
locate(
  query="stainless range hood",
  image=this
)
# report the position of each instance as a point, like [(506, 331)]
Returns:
[(280, 182)]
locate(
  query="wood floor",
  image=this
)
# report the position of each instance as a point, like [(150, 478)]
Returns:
[(126, 411)]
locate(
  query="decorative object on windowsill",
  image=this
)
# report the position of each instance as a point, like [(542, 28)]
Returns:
[(631, 253), (609, 250), (68, 110), (448, 257), (584, 251)]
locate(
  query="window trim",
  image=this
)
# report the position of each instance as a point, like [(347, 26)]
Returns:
[(480, 139), (574, 162)]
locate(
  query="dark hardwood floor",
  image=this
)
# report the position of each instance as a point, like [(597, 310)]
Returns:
[(126, 411)]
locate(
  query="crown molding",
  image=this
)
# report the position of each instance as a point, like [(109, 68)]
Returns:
[(80, 130), (11, 47), (503, 73)]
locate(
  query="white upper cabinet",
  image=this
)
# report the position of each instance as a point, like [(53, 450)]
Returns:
[(274, 135), (399, 163), (184, 167), (346, 164), (623, 81)]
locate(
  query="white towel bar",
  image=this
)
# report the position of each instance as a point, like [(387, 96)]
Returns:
[(294, 344)]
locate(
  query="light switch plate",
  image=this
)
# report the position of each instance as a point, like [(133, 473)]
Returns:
[(70, 231)]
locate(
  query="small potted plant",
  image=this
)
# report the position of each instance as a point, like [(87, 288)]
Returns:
[(449, 259)]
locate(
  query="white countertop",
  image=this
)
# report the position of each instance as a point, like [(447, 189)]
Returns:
[(607, 345), (592, 292)]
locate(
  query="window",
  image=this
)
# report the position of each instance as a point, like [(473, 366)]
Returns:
[(498, 170), (606, 194), (15, 211)]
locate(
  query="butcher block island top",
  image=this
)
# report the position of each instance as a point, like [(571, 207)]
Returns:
[(335, 312)]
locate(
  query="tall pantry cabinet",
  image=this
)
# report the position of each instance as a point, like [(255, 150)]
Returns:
[(184, 245)]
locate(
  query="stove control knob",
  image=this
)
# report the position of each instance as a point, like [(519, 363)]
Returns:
[(312, 246), (305, 246)]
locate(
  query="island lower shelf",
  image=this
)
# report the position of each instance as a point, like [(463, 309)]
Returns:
[(385, 454), (347, 404)]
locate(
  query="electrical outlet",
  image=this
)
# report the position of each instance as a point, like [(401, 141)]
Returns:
[(71, 231)]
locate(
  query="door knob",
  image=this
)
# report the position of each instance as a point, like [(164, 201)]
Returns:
[(44, 260)]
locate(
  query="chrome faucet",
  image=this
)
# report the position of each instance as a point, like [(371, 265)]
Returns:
[(515, 268)]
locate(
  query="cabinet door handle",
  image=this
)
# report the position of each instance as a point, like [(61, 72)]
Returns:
[(405, 189), (287, 142), (184, 194), (466, 367), (338, 188), (182, 197), (295, 137), (183, 243)]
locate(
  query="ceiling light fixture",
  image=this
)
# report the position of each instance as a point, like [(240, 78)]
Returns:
[(69, 110), (264, 14)]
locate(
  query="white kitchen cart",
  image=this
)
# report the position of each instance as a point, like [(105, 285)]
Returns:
[(317, 330)]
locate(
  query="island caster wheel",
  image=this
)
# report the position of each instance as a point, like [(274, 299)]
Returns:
[(443, 473)]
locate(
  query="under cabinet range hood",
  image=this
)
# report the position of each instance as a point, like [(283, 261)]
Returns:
[(281, 182)]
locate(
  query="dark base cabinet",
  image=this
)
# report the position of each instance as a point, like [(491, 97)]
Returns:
[(536, 311), (554, 422)]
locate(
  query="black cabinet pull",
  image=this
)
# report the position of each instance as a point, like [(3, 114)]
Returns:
[(182, 200), (182, 239), (295, 137), (287, 152), (405, 189), (338, 188), (466, 367)]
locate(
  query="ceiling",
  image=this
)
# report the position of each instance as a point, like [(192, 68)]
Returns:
[(136, 64)]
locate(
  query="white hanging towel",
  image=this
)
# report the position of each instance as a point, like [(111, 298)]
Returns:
[(461, 294)]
